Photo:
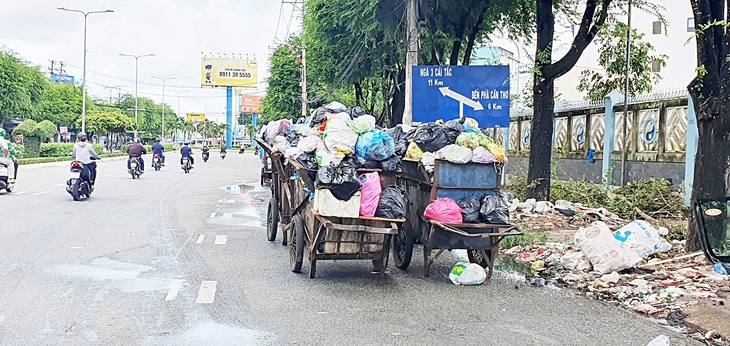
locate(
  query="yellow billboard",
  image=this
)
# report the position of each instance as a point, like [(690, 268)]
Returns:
[(196, 117), (229, 72)]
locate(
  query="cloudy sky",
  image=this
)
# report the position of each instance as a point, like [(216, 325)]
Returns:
[(176, 31)]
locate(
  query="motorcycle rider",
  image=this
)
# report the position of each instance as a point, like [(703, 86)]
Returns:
[(186, 151), (158, 149), (206, 150), (136, 149), (223, 147), (6, 158), (85, 153)]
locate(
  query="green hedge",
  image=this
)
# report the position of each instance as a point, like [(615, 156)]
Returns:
[(168, 148), (57, 159), (63, 149)]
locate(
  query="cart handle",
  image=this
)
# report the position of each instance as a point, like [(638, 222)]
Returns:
[(355, 228), (513, 230)]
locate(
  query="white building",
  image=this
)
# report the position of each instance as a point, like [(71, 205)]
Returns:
[(675, 40)]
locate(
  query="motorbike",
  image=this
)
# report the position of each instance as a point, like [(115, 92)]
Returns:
[(206, 155), (186, 164), (75, 185), (223, 155), (157, 162), (5, 182), (134, 168)]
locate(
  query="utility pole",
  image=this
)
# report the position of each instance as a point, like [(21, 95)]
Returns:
[(412, 36), (163, 102), (304, 81), (136, 81), (626, 100)]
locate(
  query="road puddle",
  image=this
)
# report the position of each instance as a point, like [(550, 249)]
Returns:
[(239, 189), (510, 265)]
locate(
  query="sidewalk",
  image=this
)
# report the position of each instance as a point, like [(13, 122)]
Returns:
[(62, 163)]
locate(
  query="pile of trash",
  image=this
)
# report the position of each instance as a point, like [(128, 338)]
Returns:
[(457, 141), (632, 265), (332, 144), (470, 209)]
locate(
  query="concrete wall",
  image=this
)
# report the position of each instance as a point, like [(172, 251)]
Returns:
[(574, 169)]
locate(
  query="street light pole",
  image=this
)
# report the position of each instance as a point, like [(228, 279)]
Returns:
[(83, 81), (136, 79), (163, 102)]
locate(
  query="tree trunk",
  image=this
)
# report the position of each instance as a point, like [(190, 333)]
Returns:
[(713, 156), (399, 98), (541, 139), (541, 133), (358, 93), (459, 40), (472, 37)]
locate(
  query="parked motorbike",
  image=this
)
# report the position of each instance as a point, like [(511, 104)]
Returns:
[(186, 164), (206, 155), (223, 155), (5, 182), (157, 162), (134, 168), (75, 185)]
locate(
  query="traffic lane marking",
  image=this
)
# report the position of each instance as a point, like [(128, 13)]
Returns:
[(39, 193), (175, 288), (200, 240), (221, 239), (206, 294)]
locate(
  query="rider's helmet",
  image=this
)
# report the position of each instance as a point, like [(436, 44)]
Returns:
[(157, 140), (3, 134), (186, 143), (81, 136), (137, 140)]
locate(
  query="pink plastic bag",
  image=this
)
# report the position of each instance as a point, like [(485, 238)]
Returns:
[(370, 193), (443, 210)]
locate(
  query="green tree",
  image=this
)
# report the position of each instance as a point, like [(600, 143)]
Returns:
[(33, 134), (149, 114), (283, 95), (244, 118), (595, 14), (61, 104), (21, 87), (612, 57)]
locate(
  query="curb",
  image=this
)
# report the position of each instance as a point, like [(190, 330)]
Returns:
[(62, 163)]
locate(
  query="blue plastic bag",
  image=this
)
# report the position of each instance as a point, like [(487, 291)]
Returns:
[(375, 145)]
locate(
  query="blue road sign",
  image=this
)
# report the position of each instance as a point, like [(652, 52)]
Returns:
[(62, 78), (451, 92)]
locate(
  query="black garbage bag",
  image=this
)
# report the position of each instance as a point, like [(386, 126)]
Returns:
[(309, 161), (355, 112), (397, 133), (319, 117), (392, 203), (390, 164), (453, 129), (361, 163), (292, 137), (431, 137), (470, 207), (495, 210), (341, 180), (401, 147)]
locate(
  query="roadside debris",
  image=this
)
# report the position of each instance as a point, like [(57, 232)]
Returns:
[(629, 263)]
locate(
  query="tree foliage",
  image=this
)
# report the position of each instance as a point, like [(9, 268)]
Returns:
[(149, 114), (101, 122), (61, 104), (31, 128), (283, 95), (21, 87), (612, 57)]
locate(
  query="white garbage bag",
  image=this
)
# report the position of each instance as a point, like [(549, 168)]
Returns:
[(336, 106), (641, 237), (575, 261), (338, 137), (280, 144), (605, 252), (467, 274), (456, 154), (309, 144), (362, 124)]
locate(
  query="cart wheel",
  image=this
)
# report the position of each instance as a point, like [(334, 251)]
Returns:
[(272, 220), (475, 256), (296, 250), (381, 264), (402, 248)]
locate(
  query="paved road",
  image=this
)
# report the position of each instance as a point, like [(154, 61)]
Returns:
[(182, 259)]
